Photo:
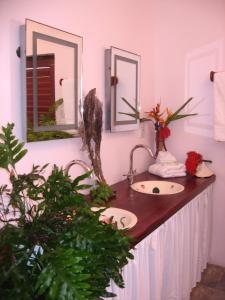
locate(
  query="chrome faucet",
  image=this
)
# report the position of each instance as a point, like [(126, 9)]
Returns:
[(80, 163), (131, 173)]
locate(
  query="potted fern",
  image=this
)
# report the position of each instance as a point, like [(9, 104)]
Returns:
[(52, 246)]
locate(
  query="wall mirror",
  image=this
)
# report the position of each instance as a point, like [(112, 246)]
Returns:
[(52, 81), (122, 81)]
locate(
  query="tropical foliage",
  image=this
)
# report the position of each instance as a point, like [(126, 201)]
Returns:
[(52, 245), (160, 118)]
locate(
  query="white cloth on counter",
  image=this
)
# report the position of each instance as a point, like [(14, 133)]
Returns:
[(219, 106), (167, 166), (165, 157), (174, 169)]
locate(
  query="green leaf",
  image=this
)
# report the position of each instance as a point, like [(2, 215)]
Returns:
[(132, 107), (175, 116), (183, 106), (82, 177), (44, 167), (101, 193), (83, 187), (135, 116), (16, 149), (2, 137), (13, 143), (56, 105), (19, 156), (11, 150)]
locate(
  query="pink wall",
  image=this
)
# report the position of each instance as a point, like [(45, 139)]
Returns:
[(188, 42), (102, 24), (164, 33)]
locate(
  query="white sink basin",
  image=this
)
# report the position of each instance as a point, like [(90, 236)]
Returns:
[(157, 187), (124, 218)]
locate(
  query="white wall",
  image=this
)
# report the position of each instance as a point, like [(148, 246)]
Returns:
[(189, 43), (102, 24)]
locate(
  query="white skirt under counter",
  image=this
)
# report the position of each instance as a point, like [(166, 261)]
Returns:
[(168, 263)]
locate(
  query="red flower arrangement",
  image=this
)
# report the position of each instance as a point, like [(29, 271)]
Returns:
[(192, 162), (160, 122), (160, 119), (164, 132)]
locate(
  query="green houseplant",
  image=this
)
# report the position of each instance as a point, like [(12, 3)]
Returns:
[(52, 246)]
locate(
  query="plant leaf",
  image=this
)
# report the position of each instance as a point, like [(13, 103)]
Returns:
[(177, 117), (132, 107), (82, 177), (11, 150), (174, 115), (136, 116)]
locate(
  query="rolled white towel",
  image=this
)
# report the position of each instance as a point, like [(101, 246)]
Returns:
[(164, 157), (164, 170), (172, 166)]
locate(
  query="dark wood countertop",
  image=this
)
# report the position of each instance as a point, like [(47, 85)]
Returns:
[(153, 210)]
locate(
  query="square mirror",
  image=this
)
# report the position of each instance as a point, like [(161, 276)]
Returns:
[(52, 81), (122, 81)]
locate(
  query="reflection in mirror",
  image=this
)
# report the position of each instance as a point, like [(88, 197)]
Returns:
[(122, 81), (53, 82)]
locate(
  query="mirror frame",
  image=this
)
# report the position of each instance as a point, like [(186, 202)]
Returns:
[(36, 36), (112, 77), (38, 31)]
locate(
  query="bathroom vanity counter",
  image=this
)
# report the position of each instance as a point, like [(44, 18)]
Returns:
[(154, 210), (172, 239)]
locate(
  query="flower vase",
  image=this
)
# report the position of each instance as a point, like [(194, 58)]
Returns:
[(160, 143)]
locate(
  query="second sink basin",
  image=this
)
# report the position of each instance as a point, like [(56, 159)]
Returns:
[(157, 187), (123, 218)]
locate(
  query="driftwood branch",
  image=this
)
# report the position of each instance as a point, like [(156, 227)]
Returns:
[(91, 131)]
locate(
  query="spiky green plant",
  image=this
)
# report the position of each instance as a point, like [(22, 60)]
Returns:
[(173, 117)]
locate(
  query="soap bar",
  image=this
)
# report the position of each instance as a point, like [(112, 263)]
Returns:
[(156, 190)]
